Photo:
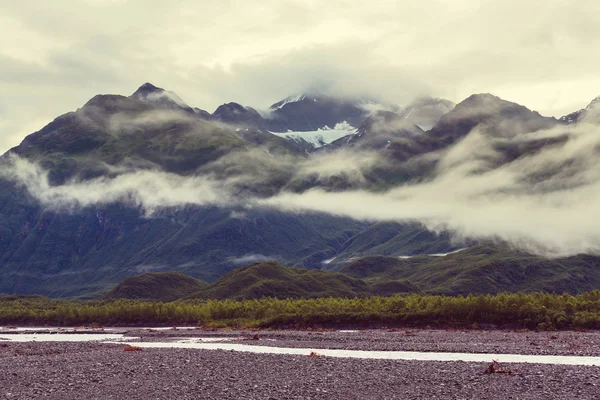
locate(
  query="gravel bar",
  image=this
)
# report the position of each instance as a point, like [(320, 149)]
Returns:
[(102, 371), (561, 343)]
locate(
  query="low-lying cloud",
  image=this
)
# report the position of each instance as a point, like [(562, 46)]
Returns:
[(547, 202), (251, 258), (149, 189)]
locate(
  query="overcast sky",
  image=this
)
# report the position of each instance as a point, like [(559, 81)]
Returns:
[(55, 55)]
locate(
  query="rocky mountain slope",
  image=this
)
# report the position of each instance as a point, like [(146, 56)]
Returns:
[(147, 183)]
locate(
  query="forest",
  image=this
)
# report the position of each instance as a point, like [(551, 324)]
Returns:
[(541, 311)]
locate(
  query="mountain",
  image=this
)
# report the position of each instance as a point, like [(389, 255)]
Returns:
[(236, 114), (117, 130), (391, 239), (308, 121), (402, 137), (425, 112), (160, 286), (480, 269), (483, 269), (402, 144), (271, 279), (591, 114), (378, 132), (73, 252), (312, 140), (494, 116), (311, 121), (158, 97), (114, 136), (154, 185), (310, 112)]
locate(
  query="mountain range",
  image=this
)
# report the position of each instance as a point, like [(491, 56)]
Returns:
[(147, 183)]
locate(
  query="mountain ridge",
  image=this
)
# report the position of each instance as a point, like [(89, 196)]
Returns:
[(114, 138)]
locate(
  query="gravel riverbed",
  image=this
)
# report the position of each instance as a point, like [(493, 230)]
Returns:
[(105, 371), (564, 343)]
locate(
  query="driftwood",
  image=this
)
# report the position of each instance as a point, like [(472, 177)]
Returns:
[(131, 348), (496, 368)]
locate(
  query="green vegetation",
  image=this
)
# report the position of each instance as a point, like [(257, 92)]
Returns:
[(163, 286), (270, 279), (394, 239), (98, 247), (483, 269), (533, 311)]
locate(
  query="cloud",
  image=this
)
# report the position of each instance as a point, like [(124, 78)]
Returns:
[(350, 164), (251, 258), (149, 190), (546, 202), (259, 54)]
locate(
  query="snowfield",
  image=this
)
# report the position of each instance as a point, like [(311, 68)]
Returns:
[(321, 136)]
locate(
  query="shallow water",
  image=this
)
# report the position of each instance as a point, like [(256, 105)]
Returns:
[(87, 329), (58, 337), (205, 340), (383, 355), (218, 343)]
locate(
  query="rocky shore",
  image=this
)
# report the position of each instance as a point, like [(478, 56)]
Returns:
[(88, 370)]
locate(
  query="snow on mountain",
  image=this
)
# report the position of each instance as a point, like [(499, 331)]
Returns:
[(321, 136), (291, 99), (589, 114)]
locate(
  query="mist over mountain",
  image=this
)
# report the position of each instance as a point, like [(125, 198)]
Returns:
[(148, 183)]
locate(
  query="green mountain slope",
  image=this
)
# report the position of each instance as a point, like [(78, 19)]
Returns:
[(162, 286), (270, 279), (391, 239), (73, 253), (484, 269), (65, 250), (117, 130)]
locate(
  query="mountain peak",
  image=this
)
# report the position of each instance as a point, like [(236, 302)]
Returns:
[(113, 103), (489, 104), (237, 114), (153, 95), (587, 114), (149, 86), (594, 104), (146, 89), (482, 98), (231, 107), (290, 99), (425, 112), (488, 110)]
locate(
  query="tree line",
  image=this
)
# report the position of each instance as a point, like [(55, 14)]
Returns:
[(519, 310)]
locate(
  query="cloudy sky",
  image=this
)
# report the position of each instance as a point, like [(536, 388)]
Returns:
[(55, 55)]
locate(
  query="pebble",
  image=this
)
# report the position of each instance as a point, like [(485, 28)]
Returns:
[(75, 370)]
